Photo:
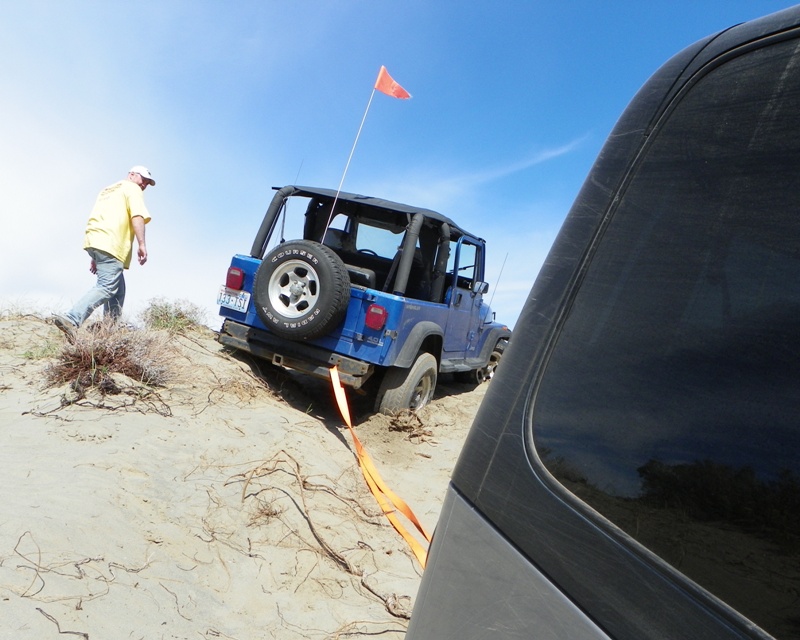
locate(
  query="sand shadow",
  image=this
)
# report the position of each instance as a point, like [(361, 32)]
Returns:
[(314, 396)]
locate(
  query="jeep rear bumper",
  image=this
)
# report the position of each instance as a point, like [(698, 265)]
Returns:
[(298, 356)]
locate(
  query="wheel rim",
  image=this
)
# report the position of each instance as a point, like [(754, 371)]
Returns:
[(486, 374), (293, 289), (422, 393)]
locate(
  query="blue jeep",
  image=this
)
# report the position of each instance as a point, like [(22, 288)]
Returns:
[(389, 293)]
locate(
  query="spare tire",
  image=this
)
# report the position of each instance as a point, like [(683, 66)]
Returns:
[(301, 290)]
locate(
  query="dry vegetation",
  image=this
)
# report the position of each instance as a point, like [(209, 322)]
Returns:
[(174, 317), (104, 350)]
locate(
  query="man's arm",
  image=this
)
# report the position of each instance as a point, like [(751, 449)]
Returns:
[(138, 230)]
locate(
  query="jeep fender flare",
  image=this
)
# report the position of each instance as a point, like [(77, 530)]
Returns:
[(490, 340), (413, 343)]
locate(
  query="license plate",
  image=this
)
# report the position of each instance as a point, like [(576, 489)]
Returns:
[(233, 299)]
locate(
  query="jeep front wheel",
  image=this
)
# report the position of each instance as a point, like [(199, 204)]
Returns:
[(484, 374), (408, 389), (301, 290)]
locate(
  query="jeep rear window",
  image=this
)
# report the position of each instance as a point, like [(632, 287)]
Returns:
[(383, 242), (671, 398)]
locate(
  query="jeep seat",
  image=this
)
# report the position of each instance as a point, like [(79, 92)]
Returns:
[(361, 276)]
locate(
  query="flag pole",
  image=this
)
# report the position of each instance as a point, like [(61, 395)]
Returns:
[(355, 142), (347, 164), (385, 84)]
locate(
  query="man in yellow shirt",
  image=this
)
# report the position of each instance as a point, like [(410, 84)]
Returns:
[(119, 216)]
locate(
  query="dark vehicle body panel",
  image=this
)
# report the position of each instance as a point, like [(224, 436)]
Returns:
[(566, 549)]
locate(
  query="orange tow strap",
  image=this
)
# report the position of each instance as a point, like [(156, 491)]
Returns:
[(386, 498)]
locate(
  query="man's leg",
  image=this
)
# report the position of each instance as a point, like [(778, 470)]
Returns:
[(110, 282), (112, 308)]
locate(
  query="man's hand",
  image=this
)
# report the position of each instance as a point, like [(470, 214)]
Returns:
[(93, 267), (138, 230)]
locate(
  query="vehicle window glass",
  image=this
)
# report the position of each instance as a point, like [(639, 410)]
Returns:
[(337, 234), (339, 222), (466, 264), (670, 401), (381, 241)]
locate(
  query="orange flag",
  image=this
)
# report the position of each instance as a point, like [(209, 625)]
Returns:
[(385, 84)]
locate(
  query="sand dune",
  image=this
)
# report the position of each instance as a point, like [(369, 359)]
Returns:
[(226, 505)]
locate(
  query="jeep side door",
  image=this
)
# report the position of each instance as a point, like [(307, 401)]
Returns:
[(463, 302)]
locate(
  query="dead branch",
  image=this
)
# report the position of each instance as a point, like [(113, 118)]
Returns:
[(116, 565), (274, 465), (391, 602), (36, 565), (412, 425), (177, 604), (356, 628), (58, 626)]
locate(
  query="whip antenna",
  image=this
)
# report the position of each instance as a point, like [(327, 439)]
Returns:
[(497, 284)]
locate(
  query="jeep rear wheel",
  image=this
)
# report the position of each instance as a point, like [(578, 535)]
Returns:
[(408, 389), (301, 290)]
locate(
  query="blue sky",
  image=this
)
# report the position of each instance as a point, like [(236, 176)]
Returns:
[(512, 101)]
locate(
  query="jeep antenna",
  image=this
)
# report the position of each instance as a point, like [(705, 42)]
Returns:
[(285, 206), (384, 84), (497, 284)]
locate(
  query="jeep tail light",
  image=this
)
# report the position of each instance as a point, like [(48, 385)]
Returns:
[(376, 317), (235, 278)]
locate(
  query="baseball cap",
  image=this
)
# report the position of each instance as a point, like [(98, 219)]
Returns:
[(144, 172)]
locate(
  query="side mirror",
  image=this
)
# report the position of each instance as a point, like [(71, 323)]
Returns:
[(480, 287)]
